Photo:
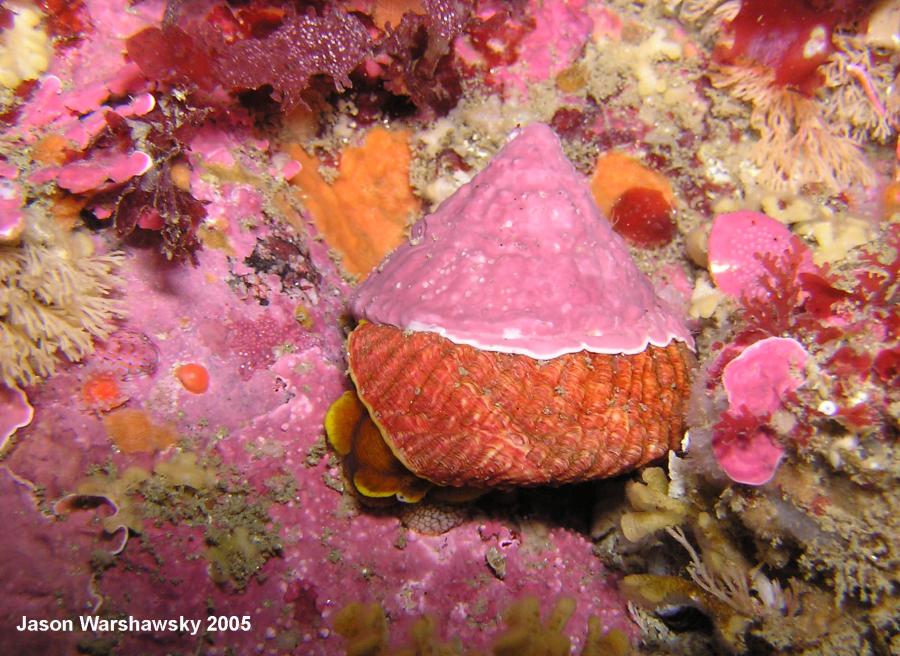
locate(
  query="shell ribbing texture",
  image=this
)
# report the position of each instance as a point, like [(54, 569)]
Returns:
[(457, 415)]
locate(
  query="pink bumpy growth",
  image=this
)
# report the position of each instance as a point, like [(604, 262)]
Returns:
[(756, 382), (520, 260)]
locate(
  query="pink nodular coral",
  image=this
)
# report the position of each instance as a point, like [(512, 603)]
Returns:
[(756, 382), (737, 242), (15, 411)]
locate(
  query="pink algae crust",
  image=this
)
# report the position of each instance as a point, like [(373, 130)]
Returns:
[(561, 29), (738, 240), (756, 382), (520, 260), (262, 421), (758, 379), (12, 219), (44, 558), (15, 411), (752, 460)]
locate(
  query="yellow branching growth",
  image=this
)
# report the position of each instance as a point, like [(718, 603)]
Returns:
[(860, 89), (652, 507), (796, 145), (54, 300)]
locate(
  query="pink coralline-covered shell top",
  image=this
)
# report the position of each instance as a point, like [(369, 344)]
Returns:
[(520, 260)]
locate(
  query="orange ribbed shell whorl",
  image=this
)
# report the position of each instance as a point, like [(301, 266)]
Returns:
[(459, 416)]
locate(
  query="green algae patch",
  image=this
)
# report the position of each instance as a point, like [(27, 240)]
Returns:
[(193, 491), (366, 630)]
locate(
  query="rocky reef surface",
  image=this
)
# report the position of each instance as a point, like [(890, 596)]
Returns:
[(192, 192)]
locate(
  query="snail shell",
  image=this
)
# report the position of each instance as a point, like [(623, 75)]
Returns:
[(459, 416), (512, 341)]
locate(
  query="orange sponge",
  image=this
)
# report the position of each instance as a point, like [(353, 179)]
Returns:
[(133, 431), (364, 213), (616, 173)]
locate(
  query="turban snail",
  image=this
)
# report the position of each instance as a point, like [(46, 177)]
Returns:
[(512, 341)]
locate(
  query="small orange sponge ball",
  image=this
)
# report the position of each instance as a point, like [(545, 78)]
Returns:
[(194, 377), (891, 198)]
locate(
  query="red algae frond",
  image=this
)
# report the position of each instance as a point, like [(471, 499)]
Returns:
[(643, 217)]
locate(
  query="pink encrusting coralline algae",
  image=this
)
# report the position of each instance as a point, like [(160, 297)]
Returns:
[(757, 382), (737, 243), (520, 260), (15, 411), (149, 159), (12, 219)]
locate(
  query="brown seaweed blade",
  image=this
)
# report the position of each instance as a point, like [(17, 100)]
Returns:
[(459, 416)]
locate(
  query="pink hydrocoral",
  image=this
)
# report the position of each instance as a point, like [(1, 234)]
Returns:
[(756, 383)]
